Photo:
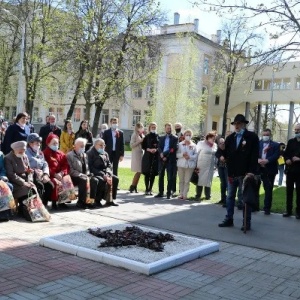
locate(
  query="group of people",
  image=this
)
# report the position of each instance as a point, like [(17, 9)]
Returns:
[(38, 163), (238, 155)]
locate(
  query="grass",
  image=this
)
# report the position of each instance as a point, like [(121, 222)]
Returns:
[(278, 205)]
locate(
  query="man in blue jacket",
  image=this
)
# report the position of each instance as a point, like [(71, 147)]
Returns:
[(268, 167)]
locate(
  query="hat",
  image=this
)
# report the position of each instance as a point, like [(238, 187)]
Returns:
[(239, 118), (33, 137), (50, 137), (18, 145)]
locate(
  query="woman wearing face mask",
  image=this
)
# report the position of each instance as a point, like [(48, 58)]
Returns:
[(85, 133), (67, 137), (206, 163), (19, 173), (58, 165), (15, 132), (79, 171), (150, 157), (136, 155), (186, 163), (37, 162)]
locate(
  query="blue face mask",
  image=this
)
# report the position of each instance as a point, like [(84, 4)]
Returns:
[(297, 135), (53, 147), (81, 151), (100, 150)]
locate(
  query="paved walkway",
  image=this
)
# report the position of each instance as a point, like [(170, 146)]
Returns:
[(28, 271)]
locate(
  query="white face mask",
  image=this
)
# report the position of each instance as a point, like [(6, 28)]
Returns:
[(153, 131), (35, 147), (19, 155), (265, 138), (187, 138), (114, 126)]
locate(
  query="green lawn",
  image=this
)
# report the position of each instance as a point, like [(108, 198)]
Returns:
[(126, 176)]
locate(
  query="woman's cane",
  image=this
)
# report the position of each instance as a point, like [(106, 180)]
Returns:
[(245, 217)]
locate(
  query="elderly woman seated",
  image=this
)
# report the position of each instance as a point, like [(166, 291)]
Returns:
[(38, 163), (19, 173), (58, 166), (100, 166), (79, 171)]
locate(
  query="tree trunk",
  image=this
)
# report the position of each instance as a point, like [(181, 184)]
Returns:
[(266, 117), (87, 115), (99, 106), (227, 98)]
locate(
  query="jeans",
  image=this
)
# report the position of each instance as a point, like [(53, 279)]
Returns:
[(235, 184), (281, 172), (268, 184), (222, 171), (171, 169)]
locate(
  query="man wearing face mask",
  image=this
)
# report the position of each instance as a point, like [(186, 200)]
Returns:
[(268, 168), (104, 179), (114, 140), (79, 171), (292, 161), (167, 147), (241, 156), (50, 127)]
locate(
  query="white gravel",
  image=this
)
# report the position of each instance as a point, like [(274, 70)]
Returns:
[(139, 254)]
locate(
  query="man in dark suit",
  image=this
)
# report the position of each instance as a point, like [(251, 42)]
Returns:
[(268, 167), (114, 140), (49, 127), (167, 148), (292, 169), (241, 156)]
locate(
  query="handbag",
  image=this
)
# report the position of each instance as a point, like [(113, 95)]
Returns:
[(34, 209), (195, 176), (7, 201), (66, 191)]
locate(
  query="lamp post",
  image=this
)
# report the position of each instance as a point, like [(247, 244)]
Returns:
[(272, 95), (21, 63)]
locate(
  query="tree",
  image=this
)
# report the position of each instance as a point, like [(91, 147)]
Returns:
[(179, 96), (278, 18), (232, 60), (113, 50)]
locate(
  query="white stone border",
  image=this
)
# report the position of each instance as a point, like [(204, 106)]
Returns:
[(117, 261)]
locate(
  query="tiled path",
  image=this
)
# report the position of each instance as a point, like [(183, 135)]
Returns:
[(28, 271)]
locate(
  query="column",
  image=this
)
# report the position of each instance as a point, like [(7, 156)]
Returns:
[(291, 117), (258, 120), (247, 110)]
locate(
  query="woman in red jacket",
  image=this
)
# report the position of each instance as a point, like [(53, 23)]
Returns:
[(58, 165)]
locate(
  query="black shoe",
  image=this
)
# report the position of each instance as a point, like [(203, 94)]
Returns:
[(80, 205), (221, 202), (267, 212), (226, 223), (90, 206), (159, 195), (147, 193), (111, 204), (132, 188), (168, 196), (62, 206), (248, 227), (54, 205), (286, 214), (224, 205), (240, 207), (207, 198), (98, 204), (298, 217)]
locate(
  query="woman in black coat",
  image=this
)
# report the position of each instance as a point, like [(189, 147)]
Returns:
[(15, 132), (150, 157), (85, 133)]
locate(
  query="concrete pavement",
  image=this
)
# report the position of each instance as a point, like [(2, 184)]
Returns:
[(244, 268)]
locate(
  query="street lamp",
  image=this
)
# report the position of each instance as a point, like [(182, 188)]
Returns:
[(21, 63), (272, 95)]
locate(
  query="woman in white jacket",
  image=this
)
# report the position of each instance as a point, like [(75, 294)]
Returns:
[(186, 163)]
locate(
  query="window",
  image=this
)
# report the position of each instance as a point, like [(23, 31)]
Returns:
[(258, 85), (150, 91), (36, 115), (105, 116), (77, 114), (297, 85), (115, 113), (214, 125), (136, 117), (204, 90), (217, 100), (137, 92), (267, 84), (206, 66)]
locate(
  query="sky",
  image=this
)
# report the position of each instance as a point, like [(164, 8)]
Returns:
[(208, 23)]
